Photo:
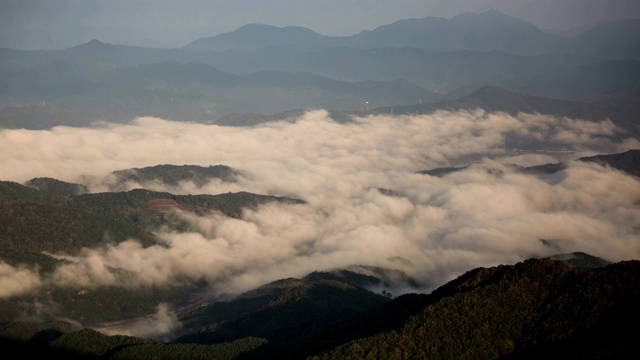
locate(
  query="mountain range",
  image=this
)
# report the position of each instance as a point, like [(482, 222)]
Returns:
[(488, 31), (262, 69)]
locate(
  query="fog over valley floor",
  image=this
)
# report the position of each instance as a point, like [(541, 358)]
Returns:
[(364, 201)]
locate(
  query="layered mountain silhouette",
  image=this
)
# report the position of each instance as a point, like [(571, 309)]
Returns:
[(263, 69), (598, 40), (499, 99), (618, 106), (193, 92), (487, 31), (491, 30)]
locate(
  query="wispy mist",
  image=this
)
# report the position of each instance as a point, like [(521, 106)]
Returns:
[(155, 326), (17, 281)]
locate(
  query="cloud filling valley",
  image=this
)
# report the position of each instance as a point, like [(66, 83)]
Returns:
[(432, 228)]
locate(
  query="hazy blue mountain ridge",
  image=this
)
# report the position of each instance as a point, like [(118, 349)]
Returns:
[(412, 61), (487, 31), (253, 36)]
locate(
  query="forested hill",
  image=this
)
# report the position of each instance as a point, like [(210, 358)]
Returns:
[(37, 223), (76, 221), (537, 308), (534, 309)]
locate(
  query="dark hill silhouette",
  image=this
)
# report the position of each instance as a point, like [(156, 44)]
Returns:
[(52, 186), (569, 305), (628, 162), (538, 306)]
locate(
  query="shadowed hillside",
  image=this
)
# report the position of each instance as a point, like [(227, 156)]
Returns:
[(537, 307)]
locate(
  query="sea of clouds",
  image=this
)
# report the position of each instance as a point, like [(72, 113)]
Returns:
[(432, 228)]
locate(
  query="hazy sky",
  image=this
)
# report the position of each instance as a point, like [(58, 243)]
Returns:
[(56, 24)]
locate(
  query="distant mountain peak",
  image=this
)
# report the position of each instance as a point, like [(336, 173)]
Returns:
[(581, 260), (299, 28), (493, 11), (254, 35), (94, 42), (258, 28), (482, 14), (254, 27), (487, 15)]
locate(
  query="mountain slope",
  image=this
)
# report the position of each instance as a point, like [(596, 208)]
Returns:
[(495, 98), (37, 224), (598, 40), (628, 161), (499, 99), (402, 33), (531, 307), (70, 343), (172, 175), (52, 186), (298, 310), (189, 92), (73, 222), (486, 31), (278, 91), (537, 307), (492, 31)]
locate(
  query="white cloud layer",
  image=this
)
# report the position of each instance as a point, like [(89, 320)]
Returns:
[(437, 228)]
